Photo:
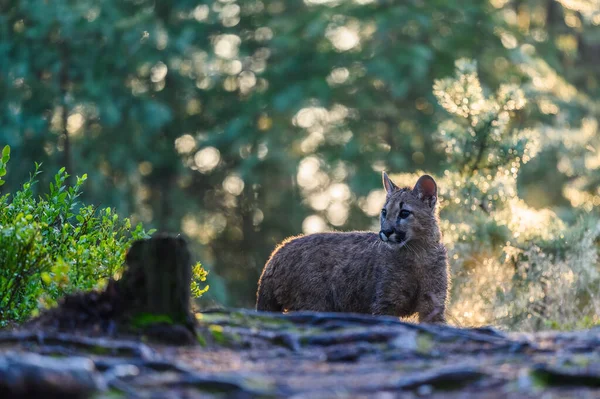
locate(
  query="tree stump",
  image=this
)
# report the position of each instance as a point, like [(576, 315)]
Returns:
[(157, 278), (152, 296), (156, 285)]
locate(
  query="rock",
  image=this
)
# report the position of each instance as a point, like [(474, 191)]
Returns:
[(406, 341), (29, 375)]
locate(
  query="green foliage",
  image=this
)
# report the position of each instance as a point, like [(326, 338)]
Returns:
[(513, 265), (3, 162), (53, 245), (244, 122), (196, 116)]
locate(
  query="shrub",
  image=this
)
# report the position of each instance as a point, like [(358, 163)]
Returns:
[(54, 245), (512, 265)]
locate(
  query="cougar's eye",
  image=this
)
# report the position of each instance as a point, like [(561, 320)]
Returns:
[(404, 214), (383, 212)]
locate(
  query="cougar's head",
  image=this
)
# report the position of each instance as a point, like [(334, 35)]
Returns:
[(409, 214)]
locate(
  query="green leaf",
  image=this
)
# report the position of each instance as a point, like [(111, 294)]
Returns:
[(5, 153), (46, 278)]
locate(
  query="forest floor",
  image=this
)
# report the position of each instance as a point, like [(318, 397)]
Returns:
[(243, 354)]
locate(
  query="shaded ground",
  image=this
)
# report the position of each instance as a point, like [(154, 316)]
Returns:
[(243, 354)]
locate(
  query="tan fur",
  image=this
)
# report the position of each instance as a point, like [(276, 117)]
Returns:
[(359, 271)]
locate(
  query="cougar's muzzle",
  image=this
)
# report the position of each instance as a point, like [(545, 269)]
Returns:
[(392, 235)]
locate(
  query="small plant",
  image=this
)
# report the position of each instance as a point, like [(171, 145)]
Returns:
[(3, 162), (198, 277), (53, 245)]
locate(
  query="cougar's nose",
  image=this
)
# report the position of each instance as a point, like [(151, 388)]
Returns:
[(385, 234)]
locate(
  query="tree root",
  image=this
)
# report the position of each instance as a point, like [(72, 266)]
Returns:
[(115, 347)]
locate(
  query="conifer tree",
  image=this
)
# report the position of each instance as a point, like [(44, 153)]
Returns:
[(512, 264)]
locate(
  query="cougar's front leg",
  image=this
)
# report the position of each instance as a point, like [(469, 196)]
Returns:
[(431, 305), (431, 309)]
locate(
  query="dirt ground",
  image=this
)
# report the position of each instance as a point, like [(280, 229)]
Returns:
[(243, 354)]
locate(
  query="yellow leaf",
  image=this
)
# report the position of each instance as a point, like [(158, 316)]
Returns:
[(46, 278)]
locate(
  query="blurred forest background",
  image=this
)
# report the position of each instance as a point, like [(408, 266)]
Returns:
[(242, 122)]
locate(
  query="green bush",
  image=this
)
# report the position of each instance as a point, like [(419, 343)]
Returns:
[(54, 245), (513, 265)]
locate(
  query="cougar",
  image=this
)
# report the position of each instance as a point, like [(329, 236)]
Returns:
[(401, 271)]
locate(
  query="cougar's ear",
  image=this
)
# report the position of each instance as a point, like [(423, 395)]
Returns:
[(388, 184), (426, 190)]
